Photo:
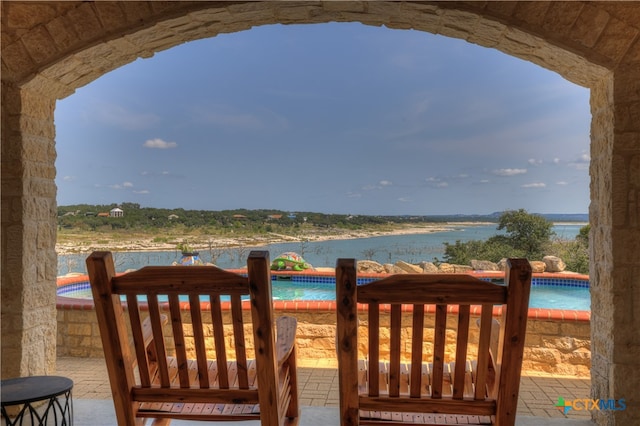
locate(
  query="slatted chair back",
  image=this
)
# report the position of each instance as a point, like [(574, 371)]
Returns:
[(176, 343), (466, 383)]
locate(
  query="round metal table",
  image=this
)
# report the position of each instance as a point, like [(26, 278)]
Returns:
[(53, 391)]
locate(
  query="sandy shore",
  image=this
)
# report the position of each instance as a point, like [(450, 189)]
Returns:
[(151, 243)]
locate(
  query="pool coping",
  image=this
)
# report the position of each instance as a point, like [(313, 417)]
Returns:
[(68, 303)]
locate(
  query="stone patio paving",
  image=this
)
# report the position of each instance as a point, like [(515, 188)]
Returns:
[(318, 386)]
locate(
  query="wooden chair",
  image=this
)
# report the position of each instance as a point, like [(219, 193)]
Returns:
[(162, 370), (442, 387)]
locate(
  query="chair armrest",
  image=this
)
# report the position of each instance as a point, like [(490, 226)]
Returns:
[(285, 337)]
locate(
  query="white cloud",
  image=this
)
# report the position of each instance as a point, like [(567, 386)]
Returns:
[(144, 191), (404, 200), (122, 185), (556, 160), (379, 185), (436, 182), (509, 172), (582, 163), (561, 182), (159, 144), (534, 162), (534, 185), (69, 178), (485, 181)]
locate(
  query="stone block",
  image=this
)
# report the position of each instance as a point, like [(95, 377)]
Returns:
[(86, 23), (407, 267), (446, 268), (462, 269), (484, 265), (543, 327), (428, 267), (537, 266), (589, 26), (370, 266), (554, 264), (76, 329)]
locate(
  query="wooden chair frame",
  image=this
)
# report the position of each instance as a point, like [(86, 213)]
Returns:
[(148, 360), (427, 392)]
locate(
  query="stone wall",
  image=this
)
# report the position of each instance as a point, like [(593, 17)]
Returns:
[(551, 346)]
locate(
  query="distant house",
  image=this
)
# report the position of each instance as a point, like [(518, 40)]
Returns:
[(173, 216), (103, 214), (275, 216), (239, 216), (116, 212)]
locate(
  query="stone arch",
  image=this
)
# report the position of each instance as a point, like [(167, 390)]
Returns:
[(49, 49)]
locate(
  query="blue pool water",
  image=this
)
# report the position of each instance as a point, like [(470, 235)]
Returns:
[(545, 293)]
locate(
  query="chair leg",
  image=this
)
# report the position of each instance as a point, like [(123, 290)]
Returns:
[(293, 411)]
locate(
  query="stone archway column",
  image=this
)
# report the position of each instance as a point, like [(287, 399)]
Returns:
[(615, 245), (29, 263)]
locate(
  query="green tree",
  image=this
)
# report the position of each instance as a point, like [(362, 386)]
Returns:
[(526, 232), (526, 235), (583, 235), (575, 254)]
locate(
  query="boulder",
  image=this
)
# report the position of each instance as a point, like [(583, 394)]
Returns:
[(483, 265), (462, 269), (370, 266), (554, 264), (408, 267), (537, 266), (446, 268), (502, 264), (428, 267), (388, 268)]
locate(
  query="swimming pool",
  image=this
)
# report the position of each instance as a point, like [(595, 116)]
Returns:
[(550, 293)]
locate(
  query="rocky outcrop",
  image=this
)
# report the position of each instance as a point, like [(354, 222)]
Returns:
[(537, 266), (462, 269), (554, 264), (547, 264), (428, 267), (484, 265), (370, 266), (407, 267), (446, 268)]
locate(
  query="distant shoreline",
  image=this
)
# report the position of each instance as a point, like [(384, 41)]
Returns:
[(141, 243), (150, 243)]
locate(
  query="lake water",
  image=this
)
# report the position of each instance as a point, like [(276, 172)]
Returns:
[(411, 248)]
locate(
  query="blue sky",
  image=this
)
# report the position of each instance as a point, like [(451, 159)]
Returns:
[(334, 118)]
